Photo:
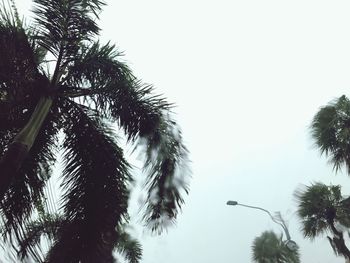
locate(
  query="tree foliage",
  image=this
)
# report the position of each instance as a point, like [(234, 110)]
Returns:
[(58, 60), (330, 129), (269, 248), (322, 209)]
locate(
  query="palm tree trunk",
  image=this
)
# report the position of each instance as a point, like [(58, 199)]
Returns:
[(339, 242), (18, 150)]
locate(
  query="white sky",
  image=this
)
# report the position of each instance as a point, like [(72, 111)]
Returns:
[(247, 77)]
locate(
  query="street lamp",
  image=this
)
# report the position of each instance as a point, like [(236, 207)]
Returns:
[(291, 245)]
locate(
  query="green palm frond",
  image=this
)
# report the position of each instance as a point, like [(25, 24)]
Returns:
[(330, 129), (320, 207), (317, 207), (313, 227)]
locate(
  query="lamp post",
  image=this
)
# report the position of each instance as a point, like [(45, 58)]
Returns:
[(291, 245)]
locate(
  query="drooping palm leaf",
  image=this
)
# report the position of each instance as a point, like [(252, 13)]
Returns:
[(96, 179), (129, 247), (98, 75), (47, 225)]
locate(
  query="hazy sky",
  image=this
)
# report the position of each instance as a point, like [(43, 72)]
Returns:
[(247, 77)]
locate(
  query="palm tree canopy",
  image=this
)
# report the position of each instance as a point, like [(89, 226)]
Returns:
[(86, 89), (330, 129), (319, 207), (269, 248)]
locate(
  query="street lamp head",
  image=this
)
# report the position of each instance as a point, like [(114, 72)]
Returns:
[(232, 202), (291, 245)]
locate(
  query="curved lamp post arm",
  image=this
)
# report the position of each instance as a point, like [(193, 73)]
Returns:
[(280, 222)]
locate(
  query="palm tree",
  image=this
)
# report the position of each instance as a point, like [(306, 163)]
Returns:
[(60, 92), (330, 129), (269, 248), (321, 209)]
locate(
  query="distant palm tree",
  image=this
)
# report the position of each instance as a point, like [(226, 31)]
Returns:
[(60, 92), (321, 208), (269, 248), (330, 129)]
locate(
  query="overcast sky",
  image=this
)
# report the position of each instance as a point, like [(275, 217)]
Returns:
[(247, 77)]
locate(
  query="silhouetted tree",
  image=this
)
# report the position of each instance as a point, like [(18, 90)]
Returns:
[(60, 92)]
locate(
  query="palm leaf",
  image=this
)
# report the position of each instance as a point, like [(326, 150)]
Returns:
[(116, 93), (330, 129), (63, 25), (27, 188), (129, 247), (96, 177), (47, 225), (98, 73)]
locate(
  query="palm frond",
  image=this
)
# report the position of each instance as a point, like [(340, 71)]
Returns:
[(47, 225), (9, 14), (63, 25), (166, 162), (319, 206), (98, 73), (27, 189), (129, 247), (330, 129), (117, 94), (96, 178), (313, 227)]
